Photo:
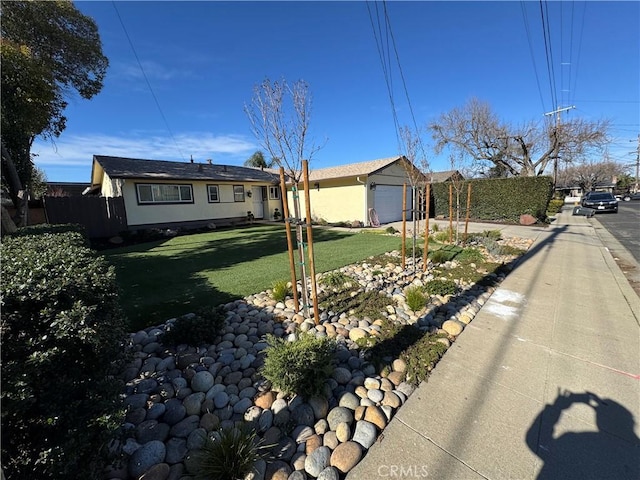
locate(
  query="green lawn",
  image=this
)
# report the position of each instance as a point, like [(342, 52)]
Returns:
[(168, 278)]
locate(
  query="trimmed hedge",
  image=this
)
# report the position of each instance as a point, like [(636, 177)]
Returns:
[(62, 334), (498, 199)]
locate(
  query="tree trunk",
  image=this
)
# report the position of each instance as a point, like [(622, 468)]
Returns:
[(19, 196), (8, 226)]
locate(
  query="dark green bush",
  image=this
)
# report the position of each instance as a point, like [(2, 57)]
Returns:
[(363, 304), (62, 335), (444, 254), (499, 199), (337, 280), (441, 287), (195, 330), (301, 366), (48, 228)]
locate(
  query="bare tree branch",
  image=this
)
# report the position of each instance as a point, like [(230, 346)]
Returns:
[(526, 150), (279, 115)]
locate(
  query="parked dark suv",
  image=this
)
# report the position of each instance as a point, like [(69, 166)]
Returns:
[(600, 202)]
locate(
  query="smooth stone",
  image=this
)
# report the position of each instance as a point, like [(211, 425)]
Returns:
[(184, 427), (174, 412), (341, 375), (365, 433), (242, 405), (320, 406), (453, 327), (371, 383), (196, 439), (150, 430), (265, 421), (285, 449), (349, 400), (145, 457), (278, 470), (356, 334), (376, 416), (338, 415), (321, 426), (343, 432), (375, 395), (303, 415), (317, 461), (313, 442), (209, 421), (391, 399), (193, 402), (221, 399), (176, 450), (330, 440), (202, 381), (301, 433), (346, 456), (329, 473)]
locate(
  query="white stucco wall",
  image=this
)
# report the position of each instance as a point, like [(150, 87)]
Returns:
[(201, 209)]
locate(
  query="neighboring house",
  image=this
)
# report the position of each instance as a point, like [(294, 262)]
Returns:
[(350, 192), (66, 189), (162, 194)]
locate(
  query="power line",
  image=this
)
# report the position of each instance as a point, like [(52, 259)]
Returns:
[(548, 52), (533, 60), (575, 81), (147, 80), (385, 71), (404, 83)]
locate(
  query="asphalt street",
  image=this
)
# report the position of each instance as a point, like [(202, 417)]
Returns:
[(625, 226)]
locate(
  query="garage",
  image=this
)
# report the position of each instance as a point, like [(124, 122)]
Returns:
[(388, 203)]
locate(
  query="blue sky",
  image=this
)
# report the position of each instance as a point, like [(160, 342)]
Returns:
[(202, 60)]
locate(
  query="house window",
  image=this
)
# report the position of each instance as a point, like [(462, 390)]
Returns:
[(274, 193), (214, 194), (164, 193), (238, 193)]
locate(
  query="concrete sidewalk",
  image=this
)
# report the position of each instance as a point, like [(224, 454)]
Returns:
[(544, 383)]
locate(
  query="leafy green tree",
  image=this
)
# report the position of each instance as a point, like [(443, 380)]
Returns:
[(48, 51), (257, 160)]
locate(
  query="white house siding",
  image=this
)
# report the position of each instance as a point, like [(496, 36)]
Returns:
[(200, 210)]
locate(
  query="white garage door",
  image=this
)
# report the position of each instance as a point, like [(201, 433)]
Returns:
[(388, 203)]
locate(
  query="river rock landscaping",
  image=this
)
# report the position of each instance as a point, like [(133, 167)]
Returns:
[(178, 396)]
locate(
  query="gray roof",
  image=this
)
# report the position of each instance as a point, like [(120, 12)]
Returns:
[(118, 167), (437, 177), (352, 169)]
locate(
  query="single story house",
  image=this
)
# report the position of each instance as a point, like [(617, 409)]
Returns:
[(358, 191), (164, 194)]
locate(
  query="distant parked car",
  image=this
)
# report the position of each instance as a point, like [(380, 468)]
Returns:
[(630, 196), (600, 202)]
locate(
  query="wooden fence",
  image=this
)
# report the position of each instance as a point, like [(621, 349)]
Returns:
[(102, 217)]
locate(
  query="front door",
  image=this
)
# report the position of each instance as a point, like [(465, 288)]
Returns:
[(257, 205)]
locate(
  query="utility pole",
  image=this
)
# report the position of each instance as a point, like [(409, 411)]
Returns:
[(557, 113)]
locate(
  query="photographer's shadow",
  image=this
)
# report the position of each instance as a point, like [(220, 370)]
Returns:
[(613, 452)]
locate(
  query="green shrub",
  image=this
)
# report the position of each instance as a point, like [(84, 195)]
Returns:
[(409, 247), (43, 228), (442, 236), (435, 227), (280, 290), (445, 253), (299, 367), (484, 235), (231, 454), (391, 230), (415, 298), (555, 206), (441, 287), (499, 199), (422, 356), (337, 280), (195, 330), (363, 304), (470, 255), (62, 335), (384, 259), (420, 350)]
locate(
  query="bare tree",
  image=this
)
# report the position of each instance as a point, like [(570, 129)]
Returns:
[(524, 150), (588, 175), (279, 114)]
